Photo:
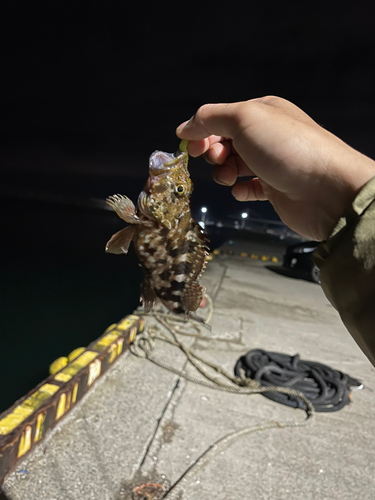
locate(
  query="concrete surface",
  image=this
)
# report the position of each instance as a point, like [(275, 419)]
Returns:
[(144, 424)]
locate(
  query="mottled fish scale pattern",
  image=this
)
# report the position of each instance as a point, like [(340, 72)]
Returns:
[(170, 245), (173, 261)]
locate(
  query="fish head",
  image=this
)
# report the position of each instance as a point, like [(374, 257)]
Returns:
[(166, 196)]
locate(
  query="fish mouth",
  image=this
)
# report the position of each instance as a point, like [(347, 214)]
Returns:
[(160, 165), (161, 162)]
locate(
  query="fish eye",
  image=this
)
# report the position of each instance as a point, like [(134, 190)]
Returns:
[(180, 189)]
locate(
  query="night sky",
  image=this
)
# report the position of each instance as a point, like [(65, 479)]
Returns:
[(89, 90)]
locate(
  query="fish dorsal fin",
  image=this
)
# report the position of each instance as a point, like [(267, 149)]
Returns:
[(124, 208)]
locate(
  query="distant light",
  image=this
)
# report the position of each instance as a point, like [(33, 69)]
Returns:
[(244, 215), (202, 224), (204, 210)]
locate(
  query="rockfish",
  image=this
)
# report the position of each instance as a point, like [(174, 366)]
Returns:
[(170, 244)]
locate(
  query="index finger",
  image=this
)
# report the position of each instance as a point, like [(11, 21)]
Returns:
[(198, 148), (211, 119)]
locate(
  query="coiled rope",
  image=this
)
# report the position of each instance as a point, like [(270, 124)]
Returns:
[(326, 388)]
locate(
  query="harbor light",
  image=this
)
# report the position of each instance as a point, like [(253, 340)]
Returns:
[(204, 214), (244, 216)]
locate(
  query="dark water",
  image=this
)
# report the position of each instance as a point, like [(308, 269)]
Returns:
[(58, 288)]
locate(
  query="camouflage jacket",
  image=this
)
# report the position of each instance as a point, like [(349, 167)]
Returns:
[(347, 268)]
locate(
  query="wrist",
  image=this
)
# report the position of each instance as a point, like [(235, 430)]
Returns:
[(353, 173)]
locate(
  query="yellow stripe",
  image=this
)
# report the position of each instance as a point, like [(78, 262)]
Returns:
[(111, 327), (74, 395), (39, 428), (74, 354), (119, 346), (127, 322), (107, 340), (61, 406), (25, 442), (58, 365), (112, 353), (25, 409), (133, 334), (114, 334), (76, 366)]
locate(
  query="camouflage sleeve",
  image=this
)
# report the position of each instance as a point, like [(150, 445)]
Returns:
[(347, 268)]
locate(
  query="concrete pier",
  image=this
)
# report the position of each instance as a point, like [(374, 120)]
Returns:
[(143, 424)]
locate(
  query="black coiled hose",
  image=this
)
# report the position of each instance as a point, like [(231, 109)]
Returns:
[(327, 389)]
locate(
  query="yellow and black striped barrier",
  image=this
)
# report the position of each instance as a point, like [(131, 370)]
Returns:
[(25, 423), (254, 256)]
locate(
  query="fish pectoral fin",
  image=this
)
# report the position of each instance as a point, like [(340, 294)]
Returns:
[(148, 295), (120, 241), (193, 296), (124, 208)]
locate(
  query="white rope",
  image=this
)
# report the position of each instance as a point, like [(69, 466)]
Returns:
[(144, 346)]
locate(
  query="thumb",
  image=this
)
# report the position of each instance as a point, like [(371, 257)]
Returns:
[(211, 119)]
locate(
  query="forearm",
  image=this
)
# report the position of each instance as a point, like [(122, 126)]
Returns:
[(347, 266)]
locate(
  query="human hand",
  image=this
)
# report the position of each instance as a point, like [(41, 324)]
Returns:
[(308, 174)]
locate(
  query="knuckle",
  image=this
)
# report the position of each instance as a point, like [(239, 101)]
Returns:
[(203, 111), (270, 100), (201, 115)]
